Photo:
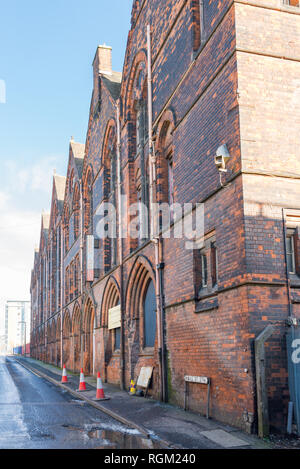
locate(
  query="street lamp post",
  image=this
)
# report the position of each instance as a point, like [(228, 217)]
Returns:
[(24, 322)]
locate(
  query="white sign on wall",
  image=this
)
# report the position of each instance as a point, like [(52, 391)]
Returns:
[(197, 379), (90, 258), (114, 317)]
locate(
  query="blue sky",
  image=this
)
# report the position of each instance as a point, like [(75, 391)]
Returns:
[(46, 54)]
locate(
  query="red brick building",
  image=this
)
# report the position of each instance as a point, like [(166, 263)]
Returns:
[(221, 73)]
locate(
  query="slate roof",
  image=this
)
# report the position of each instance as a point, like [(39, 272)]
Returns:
[(78, 150), (113, 83), (46, 220), (60, 185)]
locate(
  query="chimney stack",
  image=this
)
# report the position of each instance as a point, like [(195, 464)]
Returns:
[(102, 61), (101, 66)]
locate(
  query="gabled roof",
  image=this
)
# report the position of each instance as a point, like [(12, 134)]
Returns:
[(45, 220), (60, 185), (78, 150), (113, 83)]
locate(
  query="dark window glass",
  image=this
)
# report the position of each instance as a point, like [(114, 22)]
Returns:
[(204, 270), (150, 316), (290, 253), (214, 264), (117, 338)]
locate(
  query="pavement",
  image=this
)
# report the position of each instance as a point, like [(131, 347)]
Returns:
[(172, 426)]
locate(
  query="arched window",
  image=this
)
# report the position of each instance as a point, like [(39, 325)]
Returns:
[(111, 300), (76, 211), (140, 131), (165, 186), (110, 194), (149, 316), (66, 228), (87, 195), (67, 285), (141, 123), (113, 201)]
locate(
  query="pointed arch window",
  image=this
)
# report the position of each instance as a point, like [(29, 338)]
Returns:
[(149, 315)]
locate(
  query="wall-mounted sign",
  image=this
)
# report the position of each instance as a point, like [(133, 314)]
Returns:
[(197, 379), (114, 317), (90, 258)]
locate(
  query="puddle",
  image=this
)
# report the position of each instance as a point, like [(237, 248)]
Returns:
[(117, 440), (114, 436)]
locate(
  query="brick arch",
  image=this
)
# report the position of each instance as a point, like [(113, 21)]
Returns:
[(110, 298), (76, 209), (111, 128), (165, 151), (168, 117), (76, 316), (87, 179), (58, 338), (140, 272), (109, 161), (88, 329), (76, 336), (66, 324), (66, 338), (88, 315), (139, 62)]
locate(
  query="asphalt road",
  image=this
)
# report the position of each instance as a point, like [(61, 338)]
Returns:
[(37, 414)]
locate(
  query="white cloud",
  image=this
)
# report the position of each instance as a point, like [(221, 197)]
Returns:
[(24, 191), (37, 177), (19, 233)]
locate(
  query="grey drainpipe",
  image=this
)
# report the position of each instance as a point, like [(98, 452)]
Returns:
[(120, 246)]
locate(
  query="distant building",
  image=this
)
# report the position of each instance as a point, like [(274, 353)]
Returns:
[(17, 313)]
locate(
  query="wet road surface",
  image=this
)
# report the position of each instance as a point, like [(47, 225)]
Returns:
[(37, 414)]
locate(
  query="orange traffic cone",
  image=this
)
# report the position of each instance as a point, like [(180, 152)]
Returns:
[(100, 392), (64, 378), (82, 386), (100, 396)]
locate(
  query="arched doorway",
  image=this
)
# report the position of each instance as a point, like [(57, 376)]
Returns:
[(140, 316), (66, 339), (53, 343), (76, 333), (111, 336), (58, 342), (88, 338)]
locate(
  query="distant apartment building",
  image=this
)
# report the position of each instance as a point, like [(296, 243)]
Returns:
[(17, 324)]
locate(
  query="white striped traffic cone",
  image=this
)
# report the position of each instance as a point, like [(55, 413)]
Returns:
[(100, 396), (82, 386), (64, 378)]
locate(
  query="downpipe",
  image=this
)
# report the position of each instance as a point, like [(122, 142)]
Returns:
[(153, 235), (120, 248)]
